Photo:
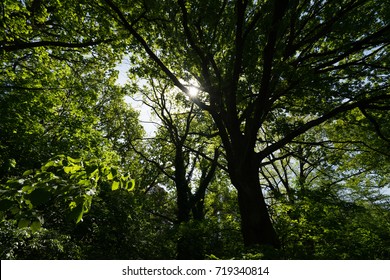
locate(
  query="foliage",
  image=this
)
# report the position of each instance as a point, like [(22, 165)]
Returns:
[(296, 91), (322, 225), (61, 181), (120, 225), (42, 244)]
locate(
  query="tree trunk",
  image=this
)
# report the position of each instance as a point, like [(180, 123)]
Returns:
[(256, 225), (190, 243)]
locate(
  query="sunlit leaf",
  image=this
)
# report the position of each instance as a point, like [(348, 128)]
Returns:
[(72, 169), (28, 172), (130, 185), (73, 160), (110, 176), (115, 185)]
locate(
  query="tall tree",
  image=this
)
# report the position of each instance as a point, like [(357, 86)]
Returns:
[(184, 155), (255, 60), (255, 63)]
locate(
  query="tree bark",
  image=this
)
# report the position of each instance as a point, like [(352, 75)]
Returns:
[(190, 242), (256, 225)]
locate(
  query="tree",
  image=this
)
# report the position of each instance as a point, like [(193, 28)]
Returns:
[(184, 155), (257, 63), (54, 145), (324, 187), (257, 60)]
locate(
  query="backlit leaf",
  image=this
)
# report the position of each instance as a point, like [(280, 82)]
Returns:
[(115, 185), (72, 169)]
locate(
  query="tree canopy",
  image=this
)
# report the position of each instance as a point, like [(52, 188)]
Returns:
[(286, 137)]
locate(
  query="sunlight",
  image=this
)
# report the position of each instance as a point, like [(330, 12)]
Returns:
[(193, 91)]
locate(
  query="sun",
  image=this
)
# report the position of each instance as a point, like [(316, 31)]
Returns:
[(193, 91)]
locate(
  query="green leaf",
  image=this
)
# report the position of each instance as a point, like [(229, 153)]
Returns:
[(73, 160), (47, 165), (115, 185), (76, 214), (28, 172), (84, 182), (130, 185), (23, 223), (35, 226), (39, 197), (110, 176), (12, 163), (72, 169)]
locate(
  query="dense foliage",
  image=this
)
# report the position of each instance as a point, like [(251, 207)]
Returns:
[(271, 140)]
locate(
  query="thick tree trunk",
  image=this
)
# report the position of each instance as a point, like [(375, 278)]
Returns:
[(185, 244), (256, 225), (190, 243)]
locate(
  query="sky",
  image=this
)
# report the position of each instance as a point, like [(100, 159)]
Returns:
[(145, 112)]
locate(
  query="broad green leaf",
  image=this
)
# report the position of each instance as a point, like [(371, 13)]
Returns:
[(23, 223), (115, 185), (72, 169), (35, 226), (110, 176), (47, 165), (84, 182)]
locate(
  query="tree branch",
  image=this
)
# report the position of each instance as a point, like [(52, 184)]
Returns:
[(374, 123), (153, 56), (331, 114), (194, 45)]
